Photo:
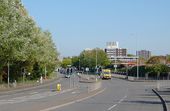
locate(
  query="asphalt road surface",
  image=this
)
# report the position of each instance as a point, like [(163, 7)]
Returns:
[(119, 95), (114, 95)]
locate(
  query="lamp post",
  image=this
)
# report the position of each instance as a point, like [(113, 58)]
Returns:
[(137, 59), (79, 64), (45, 70), (96, 61), (137, 67), (23, 76), (8, 74), (137, 56), (115, 65)]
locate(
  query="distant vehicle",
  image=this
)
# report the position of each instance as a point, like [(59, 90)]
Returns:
[(106, 74), (67, 76)]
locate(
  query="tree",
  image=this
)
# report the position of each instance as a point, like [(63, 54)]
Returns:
[(157, 60), (75, 61), (91, 57), (158, 69), (66, 62), (168, 59), (130, 55), (23, 44)]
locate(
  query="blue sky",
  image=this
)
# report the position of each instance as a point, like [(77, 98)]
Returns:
[(79, 24)]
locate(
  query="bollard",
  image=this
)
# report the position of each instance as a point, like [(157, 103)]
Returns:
[(96, 79), (58, 87)]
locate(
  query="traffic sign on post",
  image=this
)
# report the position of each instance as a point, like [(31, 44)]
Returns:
[(87, 69), (115, 66)]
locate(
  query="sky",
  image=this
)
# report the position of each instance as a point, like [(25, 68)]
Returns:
[(79, 24)]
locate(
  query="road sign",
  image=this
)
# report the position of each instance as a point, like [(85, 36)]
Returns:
[(87, 69), (115, 66)]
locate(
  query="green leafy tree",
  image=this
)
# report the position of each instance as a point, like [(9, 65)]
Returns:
[(75, 61), (23, 44), (158, 69), (90, 57), (66, 62), (157, 60)]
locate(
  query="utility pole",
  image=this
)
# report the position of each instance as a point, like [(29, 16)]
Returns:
[(23, 76), (115, 65), (79, 64), (45, 72), (137, 67), (96, 61)]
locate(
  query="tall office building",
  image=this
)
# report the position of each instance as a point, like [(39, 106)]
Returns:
[(145, 54), (112, 45), (113, 50)]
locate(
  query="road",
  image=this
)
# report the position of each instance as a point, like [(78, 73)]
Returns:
[(114, 95), (119, 95), (45, 96)]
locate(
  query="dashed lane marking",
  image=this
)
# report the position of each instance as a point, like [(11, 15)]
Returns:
[(120, 101)]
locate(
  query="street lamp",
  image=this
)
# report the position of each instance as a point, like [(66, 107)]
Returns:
[(23, 74), (115, 65), (8, 74), (45, 71), (137, 67), (137, 58), (79, 64), (96, 61)]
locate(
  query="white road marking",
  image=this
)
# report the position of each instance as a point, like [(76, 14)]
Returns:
[(121, 100), (112, 107), (72, 102), (33, 93), (73, 92), (33, 96)]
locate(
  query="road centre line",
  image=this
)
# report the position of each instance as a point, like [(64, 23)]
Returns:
[(112, 107), (33, 93), (121, 100)]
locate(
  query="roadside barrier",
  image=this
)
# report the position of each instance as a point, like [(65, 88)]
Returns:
[(162, 100)]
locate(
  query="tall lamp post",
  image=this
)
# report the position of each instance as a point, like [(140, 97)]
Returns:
[(8, 74), (96, 61), (137, 59), (79, 64), (137, 67), (45, 72)]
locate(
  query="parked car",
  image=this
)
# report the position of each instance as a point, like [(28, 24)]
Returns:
[(67, 76)]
